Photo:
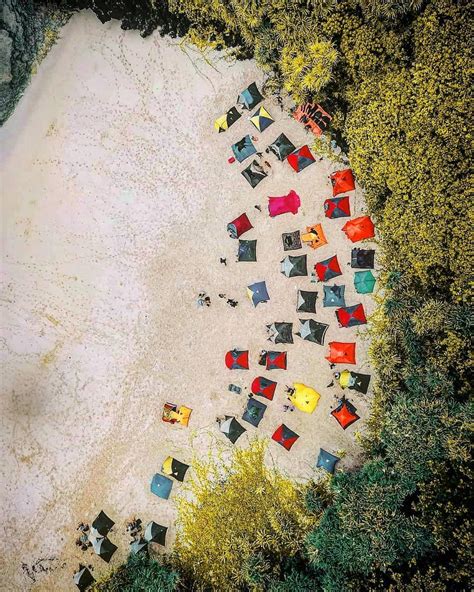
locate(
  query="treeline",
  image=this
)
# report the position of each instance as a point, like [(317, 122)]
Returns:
[(396, 77)]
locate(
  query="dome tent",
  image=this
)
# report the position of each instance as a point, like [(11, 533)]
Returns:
[(291, 240), (161, 486), (237, 359), (224, 122), (327, 461), (304, 397), (306, 301), (250, 97), (284, 436), (262, 119), (155, 533), (239, 226), (254, 412), (264, 387), (328, 269), (243, 148), (231, 428), (364, 282), (345, 414), (359, 229), (312, 330), (314, 236), (351, 316), (174, 468), (83, 578), (300, 158), (254, 173), (258, 293), (280, 332), (294, 266), (275, 360), (247, 250), (362, 258), (334, 296), (341, 353), (337, 207), (342, 182), (282, 147)]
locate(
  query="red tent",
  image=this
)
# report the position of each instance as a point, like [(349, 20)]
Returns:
[(328, 269), (337, 207), (341, 353), (276, 360), (342, 181), (359, 229), (237, 360), (238, 226), (350, 316), (264, 387), (285, 437), (300, 158), (345, 414)]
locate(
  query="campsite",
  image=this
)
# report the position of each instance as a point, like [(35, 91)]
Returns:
[(215, 309)]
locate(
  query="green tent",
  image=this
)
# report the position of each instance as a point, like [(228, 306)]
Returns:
[(364, 282)]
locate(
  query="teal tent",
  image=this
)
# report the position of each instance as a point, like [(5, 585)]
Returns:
[(334, 296), (327, 461), (243, 148), (161, 486), (364, 282), (250, 97)]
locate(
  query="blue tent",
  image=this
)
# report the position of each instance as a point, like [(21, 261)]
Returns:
[(258, 293), (327, 461), (243, 148), (254, 412), (334, 296), (161, 486), (250, 97)]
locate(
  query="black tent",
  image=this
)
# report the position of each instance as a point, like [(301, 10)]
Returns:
[(247, 250), (306, 301), (231, 428), (312, 330), (291, 240), (83, 578), (362, 258), (104, 548), (281, 332), (254, 173), (281, 147), (254, 412), (155, 533), (102, 524), (138, 546)]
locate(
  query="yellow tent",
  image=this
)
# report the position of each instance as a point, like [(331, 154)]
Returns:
[(344, 379), (221, 124), (304, 398), (262, 119)]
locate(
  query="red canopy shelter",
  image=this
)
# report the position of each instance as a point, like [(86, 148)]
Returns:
[(342, 181), (341, 353), (359, 229)]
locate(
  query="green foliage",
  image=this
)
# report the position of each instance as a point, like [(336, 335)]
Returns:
[(140, 574)]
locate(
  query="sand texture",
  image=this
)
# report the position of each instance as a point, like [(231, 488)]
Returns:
[(116, 195)]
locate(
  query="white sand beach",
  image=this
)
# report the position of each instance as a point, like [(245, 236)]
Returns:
[(116, 194)]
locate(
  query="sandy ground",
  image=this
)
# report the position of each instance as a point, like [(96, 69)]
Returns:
[(116, 195)]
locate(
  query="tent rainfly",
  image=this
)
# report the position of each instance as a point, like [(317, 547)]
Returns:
[(291, 240), (275, 360), (341, 353), (155, 533), (300, 158), (314, 236), (254, 412), (284, 204), (262, 119), (231, 428), (342, 182), (334, 296), (345, 414), (280, 332), (327, 461), (243, 148), (264, 387), (254, 173), (102, 524), (359, 229), (351, 316), (328, 269), (247, 250), (312, 330), (250, 97), (237, 359), (364, 282), (104, 548), (174, 468), (258, 293), (294, 266), (282, 147), (337, 207), (161, 486), (306, 301), (362, 258), (285, 437), (83, 578), (304, 397), (239, 226), (224, 122)]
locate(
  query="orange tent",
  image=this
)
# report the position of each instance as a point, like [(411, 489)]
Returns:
[(342, 181), (341, 353), (359, 229), (313, 117), (314, 236)]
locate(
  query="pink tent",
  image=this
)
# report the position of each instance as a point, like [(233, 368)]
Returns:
[(284, 204)]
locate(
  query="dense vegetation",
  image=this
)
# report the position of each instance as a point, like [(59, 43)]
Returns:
[(396, 76)]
